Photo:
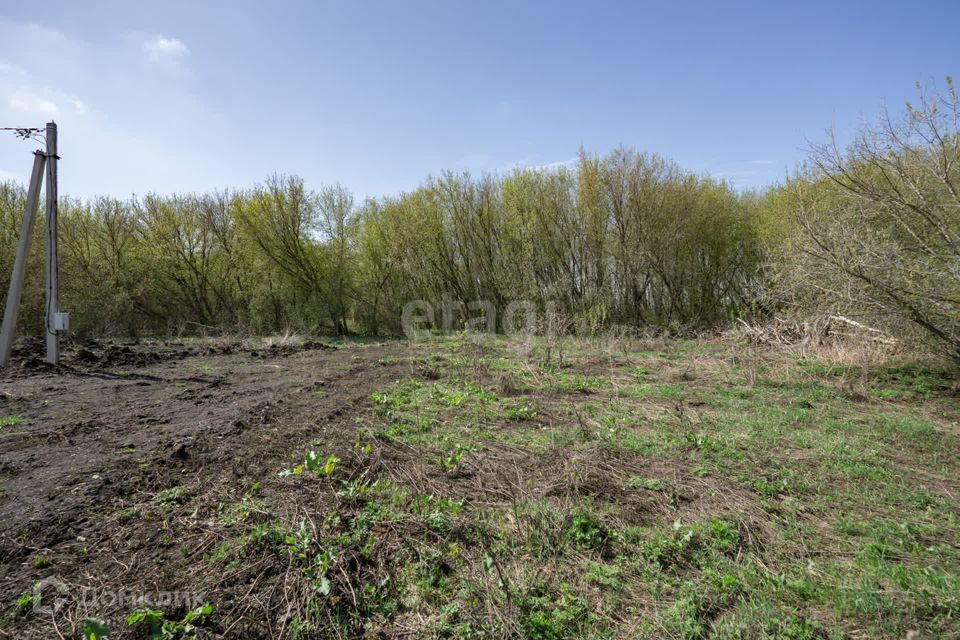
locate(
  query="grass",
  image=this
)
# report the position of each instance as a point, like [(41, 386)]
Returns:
[(10, 421), (823, 505), (619, 489)]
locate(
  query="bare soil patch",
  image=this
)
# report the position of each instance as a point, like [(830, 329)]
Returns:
[(117, 425)]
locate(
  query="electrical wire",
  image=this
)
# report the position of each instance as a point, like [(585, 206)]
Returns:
[(27, 133), (53, 268)]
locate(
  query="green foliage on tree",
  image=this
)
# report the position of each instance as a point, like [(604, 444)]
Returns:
[(873, 231), (626, 238)]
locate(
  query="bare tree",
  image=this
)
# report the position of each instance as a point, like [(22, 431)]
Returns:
[(881, 221)]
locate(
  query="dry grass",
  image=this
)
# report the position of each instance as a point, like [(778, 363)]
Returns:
[(633, 487)]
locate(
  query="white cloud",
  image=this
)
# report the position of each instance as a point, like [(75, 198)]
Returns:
[(568, 163), (95, 90), (10, 69), (33, 104), (529, 162), (525, 161), (161, 48)]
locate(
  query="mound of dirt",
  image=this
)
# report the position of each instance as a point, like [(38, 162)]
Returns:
[(28, 354), (125, 356), (286, 349)]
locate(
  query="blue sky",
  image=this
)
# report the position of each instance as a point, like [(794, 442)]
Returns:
[(192, 96)]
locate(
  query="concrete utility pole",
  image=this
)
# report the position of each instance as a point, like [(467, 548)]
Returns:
[(20, 264), (52, 321)]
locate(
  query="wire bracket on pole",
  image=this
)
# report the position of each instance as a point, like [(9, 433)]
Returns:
[(55, 321), (26, 133)]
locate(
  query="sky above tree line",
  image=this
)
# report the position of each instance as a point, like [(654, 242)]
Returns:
[(182, 96)]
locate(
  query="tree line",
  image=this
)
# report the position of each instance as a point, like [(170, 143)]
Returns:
[(628, 238), (625, 238)]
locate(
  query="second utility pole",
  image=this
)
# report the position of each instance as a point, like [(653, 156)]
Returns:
[(53, 307)]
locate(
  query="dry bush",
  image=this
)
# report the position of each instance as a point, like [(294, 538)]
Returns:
[(874, 229)]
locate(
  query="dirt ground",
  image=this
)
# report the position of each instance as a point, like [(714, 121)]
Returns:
[(473, 488), (118, 424)]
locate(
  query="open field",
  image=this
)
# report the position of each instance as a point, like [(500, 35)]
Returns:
[(471, 487)]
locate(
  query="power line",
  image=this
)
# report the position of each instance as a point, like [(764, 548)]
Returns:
[(26, 133)]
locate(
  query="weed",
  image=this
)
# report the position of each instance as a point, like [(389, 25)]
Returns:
[(452, 462), (702, 441), (162, 628), (205, 367), (313, 461), (585, 530), (127, 514), (604, 575), (28, 599), (650, 484), (94, 629), (545, 614), (170, 496), (669, 549), (520, 411)]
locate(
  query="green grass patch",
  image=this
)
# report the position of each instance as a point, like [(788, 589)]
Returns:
[(10, 421)]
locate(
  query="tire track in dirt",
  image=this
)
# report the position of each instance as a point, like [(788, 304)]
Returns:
[(92, 441)]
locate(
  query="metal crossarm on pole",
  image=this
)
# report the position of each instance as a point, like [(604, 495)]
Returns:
[(54, 321)]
